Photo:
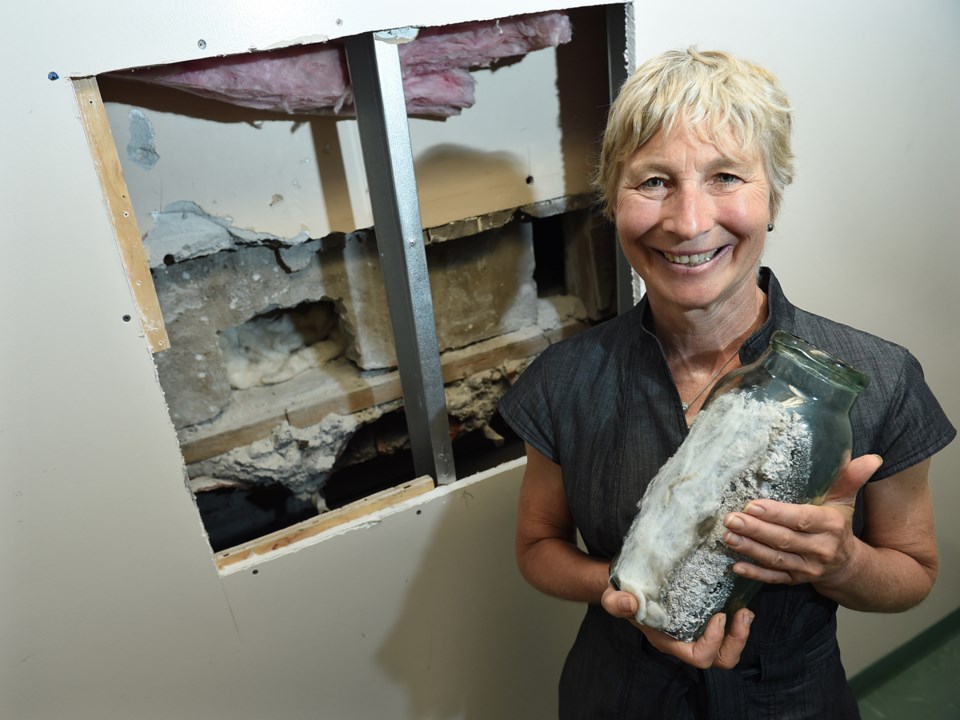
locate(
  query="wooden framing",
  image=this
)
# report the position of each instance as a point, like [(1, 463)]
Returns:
[(280, 540), (305, 407), (117, 199)]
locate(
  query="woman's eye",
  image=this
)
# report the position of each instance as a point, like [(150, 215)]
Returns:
[(653, 183), (727, 178)]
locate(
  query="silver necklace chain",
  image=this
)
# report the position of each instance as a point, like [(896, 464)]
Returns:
[(686, 405)]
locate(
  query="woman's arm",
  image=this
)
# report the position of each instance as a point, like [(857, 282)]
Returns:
[(546, 540), (549, 559), (890, 569)]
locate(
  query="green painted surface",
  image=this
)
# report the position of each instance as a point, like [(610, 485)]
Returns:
[(921, 680)]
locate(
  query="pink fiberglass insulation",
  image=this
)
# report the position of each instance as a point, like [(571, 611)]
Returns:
[(314, 79)]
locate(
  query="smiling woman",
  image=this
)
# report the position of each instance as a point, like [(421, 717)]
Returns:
[(695, 159), (692, 222)]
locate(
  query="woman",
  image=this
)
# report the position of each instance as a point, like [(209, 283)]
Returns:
[(695, 159)]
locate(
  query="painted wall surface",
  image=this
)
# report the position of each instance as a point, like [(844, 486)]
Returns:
[(111, 605)]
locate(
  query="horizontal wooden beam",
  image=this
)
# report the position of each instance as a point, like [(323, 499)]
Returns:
[(294, 535), (305, 409)]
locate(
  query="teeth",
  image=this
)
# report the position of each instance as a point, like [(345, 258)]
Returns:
[(693, 260)]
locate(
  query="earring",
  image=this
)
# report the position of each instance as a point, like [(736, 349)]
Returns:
[(769, 227)]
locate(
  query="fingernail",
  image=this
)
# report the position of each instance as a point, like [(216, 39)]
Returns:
[(748, 620), (733, 522), (731, 539), (625, 605), (754, 509)]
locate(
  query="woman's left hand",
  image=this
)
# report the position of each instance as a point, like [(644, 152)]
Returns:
[(793, 544)]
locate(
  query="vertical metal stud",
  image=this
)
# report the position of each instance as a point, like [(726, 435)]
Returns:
[(374, 66), (620, 65)]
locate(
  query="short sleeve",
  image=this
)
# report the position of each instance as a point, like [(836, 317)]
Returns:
[(915, 426), (526, 406)]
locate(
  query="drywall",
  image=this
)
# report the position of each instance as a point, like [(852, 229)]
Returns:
[(112, 606), (867, 231)]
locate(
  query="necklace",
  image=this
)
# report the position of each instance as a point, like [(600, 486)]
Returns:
[(686, 405), (750, 331)]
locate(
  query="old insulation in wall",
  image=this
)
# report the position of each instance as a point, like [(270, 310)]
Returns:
[(314, 78)]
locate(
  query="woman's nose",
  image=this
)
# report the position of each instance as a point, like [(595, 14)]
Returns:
[(687, 213)]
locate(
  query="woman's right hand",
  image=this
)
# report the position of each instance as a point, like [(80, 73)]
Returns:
[(713, 649)]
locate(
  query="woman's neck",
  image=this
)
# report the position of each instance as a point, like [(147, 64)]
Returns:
[(706, 336)]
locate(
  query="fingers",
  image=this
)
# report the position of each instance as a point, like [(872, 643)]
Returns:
[(732, 646), (714, 648), (705, 651), (790, 544), (777, 519)]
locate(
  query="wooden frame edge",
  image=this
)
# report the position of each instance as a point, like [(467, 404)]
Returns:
[(296, 534), (120, 209)]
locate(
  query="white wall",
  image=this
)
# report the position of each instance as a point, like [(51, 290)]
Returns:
[(867, 234), (112, 607), (111, 604)]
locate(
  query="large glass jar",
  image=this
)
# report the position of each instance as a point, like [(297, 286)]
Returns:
[(776, 428)]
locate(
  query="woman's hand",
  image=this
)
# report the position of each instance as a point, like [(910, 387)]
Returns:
[(712, 649), (793, 544)]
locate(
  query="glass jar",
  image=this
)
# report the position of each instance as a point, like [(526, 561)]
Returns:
[(777, 428)]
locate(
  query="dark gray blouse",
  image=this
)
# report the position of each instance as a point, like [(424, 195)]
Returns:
[(604, 407)]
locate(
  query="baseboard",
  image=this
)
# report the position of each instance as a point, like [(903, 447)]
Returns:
[(889, 665)]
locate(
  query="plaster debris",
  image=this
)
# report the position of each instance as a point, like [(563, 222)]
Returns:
[(673, 559), (269, 335), (182, 230), (299, 458), (314, 78), (140, 147), (482, 287), (302, 458)]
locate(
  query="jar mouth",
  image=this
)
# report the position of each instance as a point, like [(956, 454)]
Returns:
[(825, 365)]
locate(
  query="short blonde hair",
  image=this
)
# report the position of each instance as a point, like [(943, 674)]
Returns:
[(712, 91)]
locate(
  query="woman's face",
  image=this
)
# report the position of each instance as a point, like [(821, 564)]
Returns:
[(692, 220)]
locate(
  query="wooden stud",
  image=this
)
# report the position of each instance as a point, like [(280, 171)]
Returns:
[(120, 209)]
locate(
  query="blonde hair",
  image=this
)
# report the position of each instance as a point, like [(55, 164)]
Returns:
[(713, 92)]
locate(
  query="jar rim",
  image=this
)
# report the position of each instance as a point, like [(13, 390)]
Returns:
[(827, 366)]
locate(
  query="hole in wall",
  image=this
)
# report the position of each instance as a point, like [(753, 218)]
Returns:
[(270, 433), (279, 344)]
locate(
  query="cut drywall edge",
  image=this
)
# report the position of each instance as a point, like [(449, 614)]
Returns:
[(366, 522)]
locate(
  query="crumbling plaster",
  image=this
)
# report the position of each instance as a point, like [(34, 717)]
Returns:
[(482, 287), (228, 254)]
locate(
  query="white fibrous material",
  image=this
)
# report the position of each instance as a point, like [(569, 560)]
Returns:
[(273, 349), (740, 448), (315, 79)]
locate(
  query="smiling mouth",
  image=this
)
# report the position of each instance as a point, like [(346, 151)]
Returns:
[(691, 260)]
